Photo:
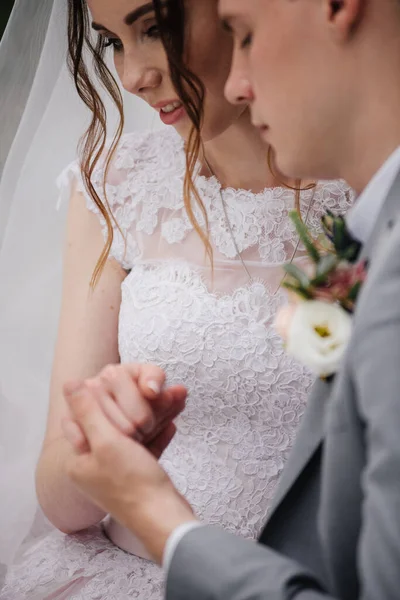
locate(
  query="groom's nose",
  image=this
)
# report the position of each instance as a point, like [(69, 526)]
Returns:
[(239, 92), (238, 89)]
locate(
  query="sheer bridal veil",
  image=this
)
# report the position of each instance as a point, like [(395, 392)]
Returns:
[(41, 120)]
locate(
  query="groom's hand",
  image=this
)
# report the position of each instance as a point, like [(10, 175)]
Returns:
[(133, 397), (124, 479)]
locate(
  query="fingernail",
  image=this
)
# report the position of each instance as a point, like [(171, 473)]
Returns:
[(154, 386), (72, 387)]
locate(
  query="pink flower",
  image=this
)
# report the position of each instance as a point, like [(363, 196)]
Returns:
[(340, 283)]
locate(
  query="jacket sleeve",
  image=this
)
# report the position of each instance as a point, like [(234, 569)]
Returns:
[(211, 564)]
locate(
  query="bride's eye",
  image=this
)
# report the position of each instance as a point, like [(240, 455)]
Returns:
[(152, 32), (114, 43)]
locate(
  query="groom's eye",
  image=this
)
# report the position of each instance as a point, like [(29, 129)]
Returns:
[(246, 42), (234, 30), (227, 26)]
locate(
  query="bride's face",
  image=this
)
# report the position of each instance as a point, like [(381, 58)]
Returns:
[(131, 29)]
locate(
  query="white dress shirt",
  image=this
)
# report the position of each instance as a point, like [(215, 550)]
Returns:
[(360, 220)]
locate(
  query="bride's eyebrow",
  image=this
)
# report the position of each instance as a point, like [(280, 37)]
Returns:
[(130, 18), (138, 12)]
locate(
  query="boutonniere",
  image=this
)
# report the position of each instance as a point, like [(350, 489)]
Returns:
[(316, 325)]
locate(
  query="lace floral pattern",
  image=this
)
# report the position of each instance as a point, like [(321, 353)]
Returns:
[(246, 395), (144, 190)]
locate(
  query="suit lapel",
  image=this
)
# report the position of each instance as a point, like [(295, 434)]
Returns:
[(311, 432)]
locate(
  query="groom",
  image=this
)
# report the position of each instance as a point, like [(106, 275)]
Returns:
[(325, 79)]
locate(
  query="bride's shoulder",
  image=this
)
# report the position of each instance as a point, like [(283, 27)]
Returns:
[(157, 152), (140, 162), (140, 177), (335, 195), (151, 143)]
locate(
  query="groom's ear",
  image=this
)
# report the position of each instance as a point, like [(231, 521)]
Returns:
[(344, 16)]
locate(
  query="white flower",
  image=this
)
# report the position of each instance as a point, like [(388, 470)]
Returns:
[(316, 333)]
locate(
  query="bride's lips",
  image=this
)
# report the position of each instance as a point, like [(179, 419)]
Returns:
[(170, 118)]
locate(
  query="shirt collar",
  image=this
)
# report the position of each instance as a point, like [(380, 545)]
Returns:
[(362, 217)]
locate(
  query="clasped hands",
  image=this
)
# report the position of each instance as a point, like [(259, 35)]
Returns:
[(119, 425)]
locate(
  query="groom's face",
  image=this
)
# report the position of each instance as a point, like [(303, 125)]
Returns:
[(286, 49)]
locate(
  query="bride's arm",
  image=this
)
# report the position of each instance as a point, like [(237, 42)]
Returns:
[(87, 342)]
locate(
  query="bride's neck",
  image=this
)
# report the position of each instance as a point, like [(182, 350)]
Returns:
[(238, 158)]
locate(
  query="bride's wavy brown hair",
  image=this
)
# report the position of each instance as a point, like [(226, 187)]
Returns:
[(171, 21), (170, 16)]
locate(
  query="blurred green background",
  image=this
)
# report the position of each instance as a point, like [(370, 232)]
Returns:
[(5, 10)]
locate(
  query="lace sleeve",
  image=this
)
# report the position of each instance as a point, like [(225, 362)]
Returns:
[(114, 195)]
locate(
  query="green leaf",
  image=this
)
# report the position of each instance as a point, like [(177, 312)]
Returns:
[(304, 235), (303, 293), (339, 235), (352, 252), (297, 274), (327, 223), (355, 290), (325, 266)]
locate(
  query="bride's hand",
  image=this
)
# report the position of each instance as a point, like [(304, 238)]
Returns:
[(133, 398), (124, 479)]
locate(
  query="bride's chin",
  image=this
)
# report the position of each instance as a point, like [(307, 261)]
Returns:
[(183, 129)]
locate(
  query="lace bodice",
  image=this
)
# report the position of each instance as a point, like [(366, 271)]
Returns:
[(211, 331)]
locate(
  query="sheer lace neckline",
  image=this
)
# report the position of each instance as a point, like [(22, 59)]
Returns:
[(212, 181), (144, 190)]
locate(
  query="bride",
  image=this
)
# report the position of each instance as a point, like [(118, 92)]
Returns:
[(196, 230)]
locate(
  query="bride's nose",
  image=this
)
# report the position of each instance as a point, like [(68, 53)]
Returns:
[(138, 77)]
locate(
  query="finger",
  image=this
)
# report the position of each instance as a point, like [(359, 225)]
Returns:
[(89, 416), (110, 408), (173, 400), (115, 414), (170, 404), (74, 435), (173, 403), (150, 378), (162, 441), (121, 386)]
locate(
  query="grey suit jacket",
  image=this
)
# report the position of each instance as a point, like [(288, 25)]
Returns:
[(334, 527)]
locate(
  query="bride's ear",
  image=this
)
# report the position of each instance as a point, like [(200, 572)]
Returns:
[(344, 16)]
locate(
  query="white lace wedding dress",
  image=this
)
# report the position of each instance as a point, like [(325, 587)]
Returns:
[(210, 331)]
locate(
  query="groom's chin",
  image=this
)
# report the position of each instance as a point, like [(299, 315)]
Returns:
[(297, 164)]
